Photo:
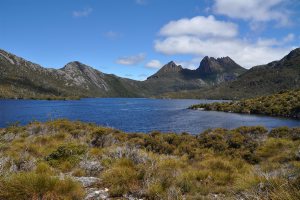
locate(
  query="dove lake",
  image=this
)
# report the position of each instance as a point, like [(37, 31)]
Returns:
[(133, 114)]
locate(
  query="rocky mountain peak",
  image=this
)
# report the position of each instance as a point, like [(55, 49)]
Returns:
[(293, 54), (76, 66), (226, 60), (167, 69), (171, 67), (73, 65), (17, 61), (291, 60), (210, 65)]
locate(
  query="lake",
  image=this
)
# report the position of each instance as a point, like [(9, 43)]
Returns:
[(133, 115)]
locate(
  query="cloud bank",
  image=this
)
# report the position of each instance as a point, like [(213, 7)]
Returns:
[(201, 36), (253, 10)]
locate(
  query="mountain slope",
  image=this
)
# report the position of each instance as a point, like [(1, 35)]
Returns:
[(172, 77), (266, 79), (260, 80), (219, 70), (22, 79), (211, 71)]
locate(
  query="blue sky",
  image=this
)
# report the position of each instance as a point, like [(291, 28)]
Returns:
[(134, 38)]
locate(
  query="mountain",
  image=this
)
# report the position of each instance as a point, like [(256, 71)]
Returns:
[(260, 80), (20, 78), (219, 70), (266, 79), (172, 77), (210, 72), (168, 70), (23, 79)]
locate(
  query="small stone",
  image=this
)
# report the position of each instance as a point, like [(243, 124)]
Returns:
[(91, 167), (96, 194), (87, 181)]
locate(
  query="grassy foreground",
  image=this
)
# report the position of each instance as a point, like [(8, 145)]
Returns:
[(46, 160), (285, 104)]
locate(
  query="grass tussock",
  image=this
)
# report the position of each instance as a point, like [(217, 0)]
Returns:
[(38, 186), (247, 162)]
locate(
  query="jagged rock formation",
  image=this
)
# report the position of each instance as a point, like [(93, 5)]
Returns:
[(220, 69), (210, 72)]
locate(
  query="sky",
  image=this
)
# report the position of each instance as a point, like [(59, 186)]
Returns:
[(134, 38)]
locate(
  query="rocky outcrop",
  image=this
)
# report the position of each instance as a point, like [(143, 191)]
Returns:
[(167, 70), (219, 70)]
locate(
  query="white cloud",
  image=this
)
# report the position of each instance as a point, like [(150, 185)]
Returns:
[(289, 38), (200, 26), (245, 52), (274, 42), (131, 60), (82, 13), (112, 35), (154, 64), (141, 2), (253, 10)]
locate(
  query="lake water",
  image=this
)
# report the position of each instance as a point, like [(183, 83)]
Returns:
[(133, 115)]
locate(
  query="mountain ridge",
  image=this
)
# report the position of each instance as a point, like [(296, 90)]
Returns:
[(20, 78), (24, 79), (274, 77)]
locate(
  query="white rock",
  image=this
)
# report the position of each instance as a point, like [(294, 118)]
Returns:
[(87, 181), (96, 194)]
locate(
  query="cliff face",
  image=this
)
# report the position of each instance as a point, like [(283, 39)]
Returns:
[(219, 70)]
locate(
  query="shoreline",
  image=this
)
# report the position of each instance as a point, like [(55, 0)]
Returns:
[(249, 114), (285, 104)]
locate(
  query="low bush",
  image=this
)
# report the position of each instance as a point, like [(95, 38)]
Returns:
[(219, 163), (38, 186)]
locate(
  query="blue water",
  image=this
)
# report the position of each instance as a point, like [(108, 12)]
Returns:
[(133, 115)]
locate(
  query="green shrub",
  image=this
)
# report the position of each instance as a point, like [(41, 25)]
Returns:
[(121, 178), (228, 163), (283, 104), (155, 191), (66, 156), (38, 186)]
